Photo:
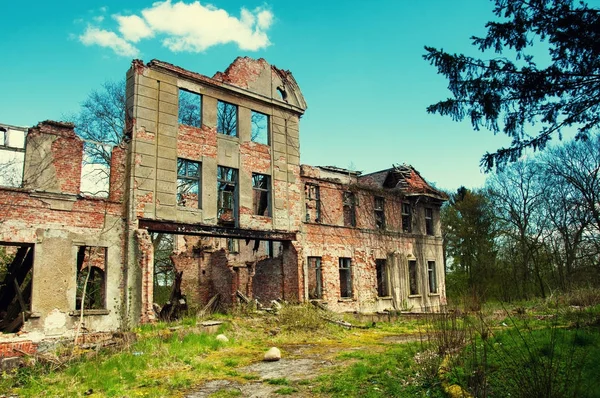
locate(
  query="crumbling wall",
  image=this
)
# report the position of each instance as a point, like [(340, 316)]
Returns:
[(49, 214), (365, 243)]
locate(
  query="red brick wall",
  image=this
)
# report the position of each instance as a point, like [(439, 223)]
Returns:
[(117, 174), (267, 280), (17, 349), (194, 142), (67, 153)]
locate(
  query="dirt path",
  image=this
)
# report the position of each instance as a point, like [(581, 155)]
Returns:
[(300, 364)]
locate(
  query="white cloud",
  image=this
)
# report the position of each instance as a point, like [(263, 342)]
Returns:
[(133, 28), (105, 38), (191, 27), (99, 18)]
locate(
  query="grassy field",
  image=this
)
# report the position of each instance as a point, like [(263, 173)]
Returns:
[(535, 348)]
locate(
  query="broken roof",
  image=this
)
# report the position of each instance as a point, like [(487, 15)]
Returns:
[(404, 178)]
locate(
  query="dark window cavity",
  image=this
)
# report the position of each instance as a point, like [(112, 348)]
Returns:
[(233, 245), (312, 203), (261, 190), (315, 278), (406, 217), (269, 249), (227, 118), (412, 277), (379, 212), (349, 209), (260, 128), (190, 108), (429, 221), (189, 181), (383, 289), (227, 179), (432, 276), (345, 277), (91, 278), (16, 277)]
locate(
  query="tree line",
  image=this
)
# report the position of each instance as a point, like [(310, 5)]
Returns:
[(532, 230)]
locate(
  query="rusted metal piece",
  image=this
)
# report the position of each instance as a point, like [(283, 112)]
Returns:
[(214, 230)]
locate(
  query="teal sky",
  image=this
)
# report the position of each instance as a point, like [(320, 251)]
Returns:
[(358, 63)]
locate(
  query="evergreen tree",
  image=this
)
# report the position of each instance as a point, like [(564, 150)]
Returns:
[(508, 95)]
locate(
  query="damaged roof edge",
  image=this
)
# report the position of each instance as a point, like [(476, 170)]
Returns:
[(178, 71)]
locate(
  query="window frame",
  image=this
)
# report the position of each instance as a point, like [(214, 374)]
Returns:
[(349, 204), (233, 245), (379, 212), (219, 118), (432, 277), (406, 217), (318, 269), (197, 179), (308, 187), (223, 183), (266, 190), (413, 278), (382, 276), (345, 267), (80, 267), (429, 230), (268, 127), (198, 123)]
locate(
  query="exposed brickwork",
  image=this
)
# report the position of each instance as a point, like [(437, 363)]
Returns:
[(365, 243), (145, 257), (193, 143), (242, 71), (17, 349), (50, 214), (117, 174)]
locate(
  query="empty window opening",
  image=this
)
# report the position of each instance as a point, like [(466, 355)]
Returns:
[(412, 277), (282, 93), (269, 249), (312, 203), (189, 183), (432, 276), (349, 209), (315, 278), (227, 195), (260, 128), (406, 217), (91, 278), (227, 118), (233, 245), (383, 289), (345, 277), (16, 271), (261, 194), (190, 108), (429, 221), (95, 169), (12, 156), (164, 269), (379, 212)]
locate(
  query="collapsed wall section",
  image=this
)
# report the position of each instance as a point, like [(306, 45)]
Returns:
[(219, 156), (362, 252), (70, 240)]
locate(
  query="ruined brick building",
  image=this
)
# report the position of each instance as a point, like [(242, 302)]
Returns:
[(214, 164)]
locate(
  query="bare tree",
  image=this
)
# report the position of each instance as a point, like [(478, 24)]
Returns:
[(517, 194), (102, 120)]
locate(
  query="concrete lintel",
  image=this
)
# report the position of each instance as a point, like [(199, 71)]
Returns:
[(214, 230)]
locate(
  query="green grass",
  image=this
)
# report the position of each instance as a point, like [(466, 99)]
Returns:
[(172, 362), (286, 391), (389, 373), (278, 382)]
